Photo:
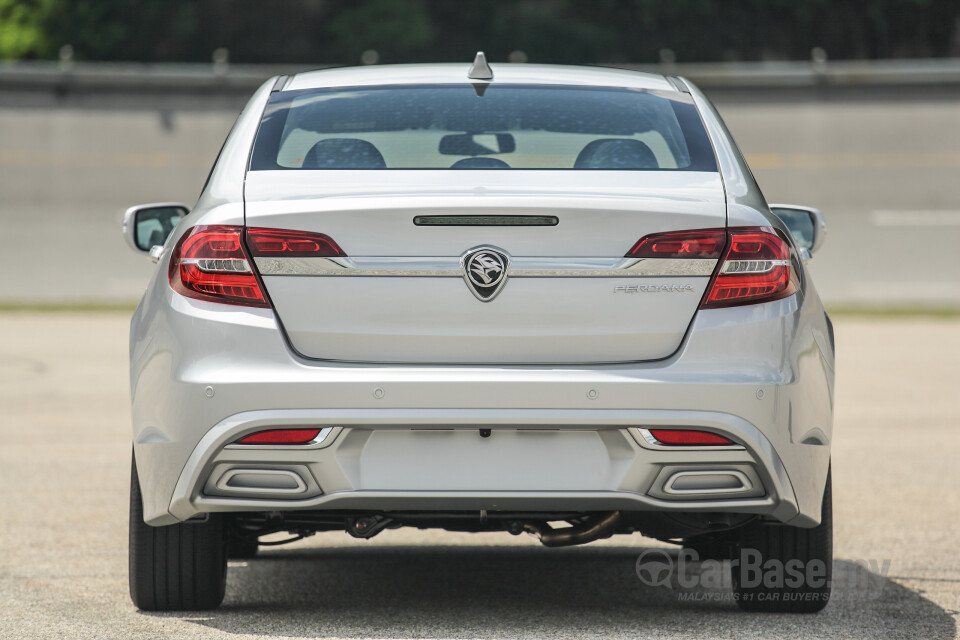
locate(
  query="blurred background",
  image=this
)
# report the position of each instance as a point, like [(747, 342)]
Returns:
[(852, 106)]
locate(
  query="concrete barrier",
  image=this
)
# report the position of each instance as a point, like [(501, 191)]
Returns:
[(68, 76)]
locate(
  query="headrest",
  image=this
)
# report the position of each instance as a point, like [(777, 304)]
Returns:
[(343, 153), (480, 163), (616, 153)]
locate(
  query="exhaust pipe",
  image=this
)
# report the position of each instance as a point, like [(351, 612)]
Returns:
[(603, 527)]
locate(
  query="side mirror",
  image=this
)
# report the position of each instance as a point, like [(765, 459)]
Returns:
[(806, 224), (146, 226)]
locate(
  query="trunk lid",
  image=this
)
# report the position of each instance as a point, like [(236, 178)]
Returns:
[(401, 295)]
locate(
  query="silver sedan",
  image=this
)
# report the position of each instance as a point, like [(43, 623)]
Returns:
[(541, 300)]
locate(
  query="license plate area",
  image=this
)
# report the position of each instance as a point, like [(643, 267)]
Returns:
[(507, 460)]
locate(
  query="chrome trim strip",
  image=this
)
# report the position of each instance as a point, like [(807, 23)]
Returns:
[(223, 484), (745, 484), (215, 265), (451, 267), (740, 267)]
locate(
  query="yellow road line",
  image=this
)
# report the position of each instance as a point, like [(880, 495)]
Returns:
[(854, 160), (150, 160)]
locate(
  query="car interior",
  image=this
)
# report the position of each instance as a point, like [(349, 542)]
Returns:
[(355, 153)]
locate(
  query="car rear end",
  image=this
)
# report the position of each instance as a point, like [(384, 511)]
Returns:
[(379, 337)]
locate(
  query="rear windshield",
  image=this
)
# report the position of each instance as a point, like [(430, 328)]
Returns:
[(491, 126)]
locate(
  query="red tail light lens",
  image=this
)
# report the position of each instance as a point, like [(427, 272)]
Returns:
[(281, 243), (281, 436), (755, 268), (210, 263), (689, 438), (699, 243)]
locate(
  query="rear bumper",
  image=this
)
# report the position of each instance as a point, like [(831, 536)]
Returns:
[(533, 460), (203, 376)]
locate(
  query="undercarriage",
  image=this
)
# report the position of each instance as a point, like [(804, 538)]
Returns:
[(552, 529)]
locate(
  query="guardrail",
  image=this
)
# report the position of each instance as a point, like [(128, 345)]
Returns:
[(847, 73), (107, 76), (67, 76)]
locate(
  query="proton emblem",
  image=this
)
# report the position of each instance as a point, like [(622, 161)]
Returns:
[(485, 271)]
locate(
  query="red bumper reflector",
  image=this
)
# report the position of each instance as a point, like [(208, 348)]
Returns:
[(281, 436), (689, 438)]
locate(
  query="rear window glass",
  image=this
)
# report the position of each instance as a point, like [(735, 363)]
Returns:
[(492, 126)]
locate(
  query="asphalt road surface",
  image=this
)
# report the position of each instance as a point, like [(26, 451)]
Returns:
[(64, 465), (884, 168)]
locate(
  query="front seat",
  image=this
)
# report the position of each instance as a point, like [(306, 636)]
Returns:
[(616, 153), (343, 153)]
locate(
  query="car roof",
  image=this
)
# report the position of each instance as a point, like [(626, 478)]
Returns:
[(451, 73)]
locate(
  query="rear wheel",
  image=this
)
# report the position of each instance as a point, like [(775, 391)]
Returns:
[(786, 569), (180, 567)]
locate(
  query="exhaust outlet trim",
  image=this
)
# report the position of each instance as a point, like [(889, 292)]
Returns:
[(272, 481), (713, 481)]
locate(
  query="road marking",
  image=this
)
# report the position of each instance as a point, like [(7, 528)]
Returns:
[(915, 218), (150, 160), (854, 160), (890, 291)]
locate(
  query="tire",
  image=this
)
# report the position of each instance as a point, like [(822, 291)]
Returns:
[(180, 567), (774, 588)]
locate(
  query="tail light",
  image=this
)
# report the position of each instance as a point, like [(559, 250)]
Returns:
[(210, 263), (756, 267), (689, 438), (699, 243), (283, 243)]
